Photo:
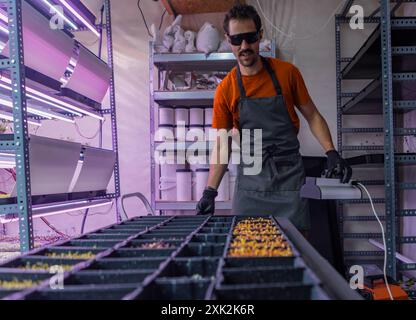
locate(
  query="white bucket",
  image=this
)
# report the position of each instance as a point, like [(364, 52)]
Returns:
[(208, 116), (183, 185), (181, 115), (181, 136), (195, 133), (201, 179), (196, 116), (224, 188), (165, 132), (166, 115)]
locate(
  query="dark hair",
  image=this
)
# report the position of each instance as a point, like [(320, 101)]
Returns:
[(242, 12)]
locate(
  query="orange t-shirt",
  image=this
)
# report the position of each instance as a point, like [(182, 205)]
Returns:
[(226, 111)]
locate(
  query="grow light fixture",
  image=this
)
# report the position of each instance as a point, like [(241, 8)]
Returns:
[(53, 209), (59, 13), (39, 112), (80, 17), (9, 117), (3, 16), (55, 102), (4, 29), (42, 100)]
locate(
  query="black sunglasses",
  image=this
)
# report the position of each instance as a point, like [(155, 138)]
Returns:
[(250, 37)]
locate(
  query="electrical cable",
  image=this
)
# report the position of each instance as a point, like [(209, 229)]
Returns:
[(84, 219), (161, 19), (53, 228), (384, 239), (82, 135), (292, 35), (144, 19)]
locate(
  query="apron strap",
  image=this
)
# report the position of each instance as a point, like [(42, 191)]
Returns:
[(269, 71)]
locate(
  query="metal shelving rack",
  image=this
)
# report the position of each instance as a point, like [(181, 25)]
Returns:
[(19, 140), (184, 62), (381, 58)]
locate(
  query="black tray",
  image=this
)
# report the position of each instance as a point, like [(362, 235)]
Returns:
[(84, 292), (191, 267), (262, 275), (212, 237), (178, 289), (202, 249), (127, 263), (106, 277), (136, 253), (271, 291)]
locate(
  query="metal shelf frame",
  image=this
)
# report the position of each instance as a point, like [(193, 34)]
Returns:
[(381, 97), (183, 62), (18, 142)]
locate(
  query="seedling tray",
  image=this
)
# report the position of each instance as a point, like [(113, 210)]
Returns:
[(194, 265)]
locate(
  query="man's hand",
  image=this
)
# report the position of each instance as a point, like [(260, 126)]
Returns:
[(338, 167), (207, 203)]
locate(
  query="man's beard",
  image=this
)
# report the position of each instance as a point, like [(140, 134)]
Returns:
[(249, 61)]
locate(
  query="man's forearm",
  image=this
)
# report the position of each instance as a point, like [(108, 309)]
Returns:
[(216, 172), (321, 132), (219, 160)]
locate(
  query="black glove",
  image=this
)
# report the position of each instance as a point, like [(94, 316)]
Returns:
[(207, 203), (338, 167)]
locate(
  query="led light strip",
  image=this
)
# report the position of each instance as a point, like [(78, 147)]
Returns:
[(59, 102), (80, 17), (4, 29), (73, 26), (3, 16), (42, 113), (88, 205), (43, 101), (9, 117)]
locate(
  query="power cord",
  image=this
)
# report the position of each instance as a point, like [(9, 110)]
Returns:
[(383, 235)]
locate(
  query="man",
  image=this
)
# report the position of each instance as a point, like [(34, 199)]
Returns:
[(261, 93)]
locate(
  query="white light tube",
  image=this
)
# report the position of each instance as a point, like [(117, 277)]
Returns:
[(3, 16), (42, 113), (4, 29), (60, 209), (9, 117), (80, 17), (43, 101), (63, 103)]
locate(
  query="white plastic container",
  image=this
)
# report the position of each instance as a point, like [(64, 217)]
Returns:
[(165, 132), (166, 115), (201, 179), (181, 133), (167, 173), (224, 188), (183, 185), (196, 133), (181, 116), (208, 116), (196, 116)]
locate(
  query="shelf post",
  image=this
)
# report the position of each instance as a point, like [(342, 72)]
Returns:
[(107, 6), (20, 126), (389, 160)]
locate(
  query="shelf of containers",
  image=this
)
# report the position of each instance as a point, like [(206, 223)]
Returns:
[(183, 62)]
